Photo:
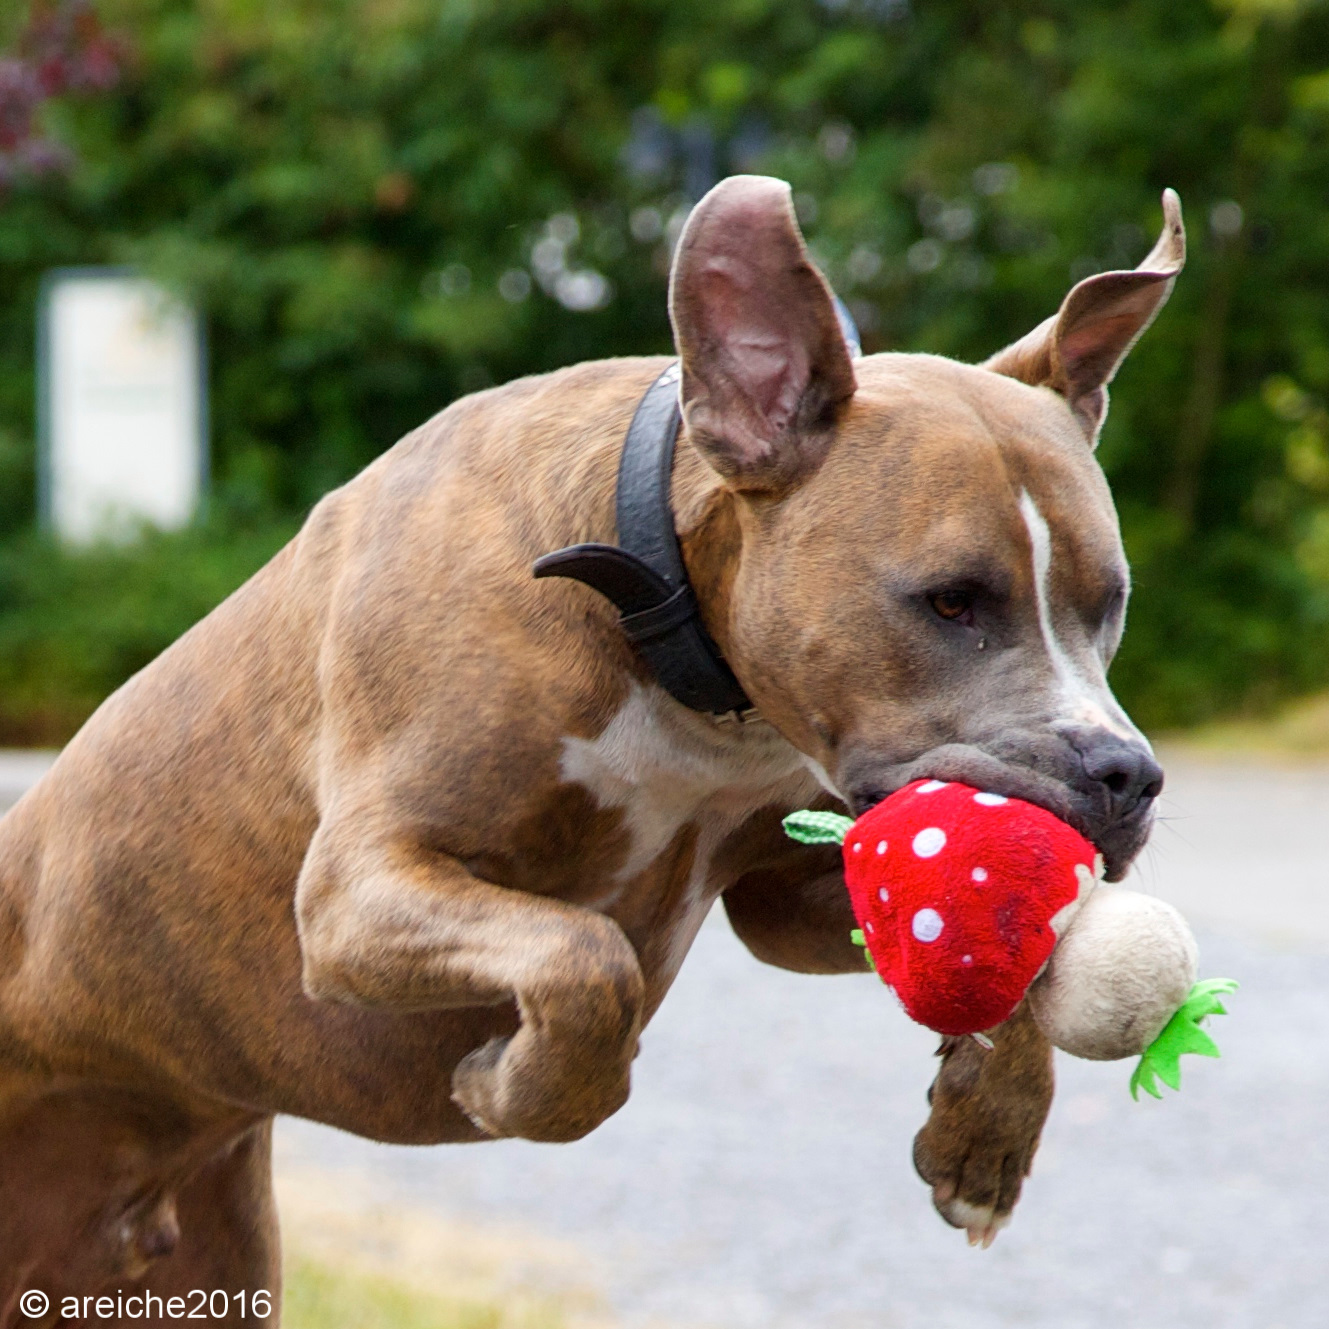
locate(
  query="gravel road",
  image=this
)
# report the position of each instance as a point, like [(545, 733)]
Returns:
[(760, 1174)]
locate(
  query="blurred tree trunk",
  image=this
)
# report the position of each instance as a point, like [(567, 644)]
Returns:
[(1206, 390), (1267, 39)]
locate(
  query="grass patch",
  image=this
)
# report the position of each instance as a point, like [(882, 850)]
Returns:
[(355, 1262), (1300, 731), (320, 1296)]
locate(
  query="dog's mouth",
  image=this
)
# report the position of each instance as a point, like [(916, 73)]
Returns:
[(1118, 836)]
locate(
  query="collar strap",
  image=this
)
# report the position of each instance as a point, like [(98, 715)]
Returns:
[(643, 575)]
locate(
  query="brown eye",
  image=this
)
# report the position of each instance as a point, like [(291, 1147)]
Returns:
[(951, 604)]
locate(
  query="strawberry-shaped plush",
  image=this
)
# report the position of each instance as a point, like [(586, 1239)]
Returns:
[(961, 896), (964, 898)]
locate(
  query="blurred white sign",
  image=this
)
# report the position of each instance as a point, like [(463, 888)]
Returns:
[(122, 406)]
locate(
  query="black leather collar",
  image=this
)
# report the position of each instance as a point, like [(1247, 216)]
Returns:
[(644, 574)]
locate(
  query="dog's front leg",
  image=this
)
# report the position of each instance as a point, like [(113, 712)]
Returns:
[(988, 1105), (385, 922), (988, 1110), (793, 911)]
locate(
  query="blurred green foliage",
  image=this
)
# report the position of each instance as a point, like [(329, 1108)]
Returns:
[(74, 624), (382, 204)]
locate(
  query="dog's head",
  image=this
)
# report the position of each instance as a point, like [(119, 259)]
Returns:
[(922, 570)]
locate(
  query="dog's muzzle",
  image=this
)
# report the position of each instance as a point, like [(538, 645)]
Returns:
[(1102, 784)]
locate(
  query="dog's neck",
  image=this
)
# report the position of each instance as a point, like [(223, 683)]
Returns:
[(645, 575), (706, 520)]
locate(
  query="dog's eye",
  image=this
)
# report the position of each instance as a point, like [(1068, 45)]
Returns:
[(952, 605)]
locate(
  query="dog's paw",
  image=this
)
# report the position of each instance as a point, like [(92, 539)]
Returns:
[(976, 1193), (473, 1087), (508, 1089), (980, 1221), (988, 1109)]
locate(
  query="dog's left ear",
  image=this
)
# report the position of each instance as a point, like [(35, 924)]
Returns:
[(1078, 350), (764, 362)]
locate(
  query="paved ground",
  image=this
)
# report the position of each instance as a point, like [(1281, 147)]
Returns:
[(760, 1174)]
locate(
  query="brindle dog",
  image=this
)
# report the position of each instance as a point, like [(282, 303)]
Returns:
[(403, 840)]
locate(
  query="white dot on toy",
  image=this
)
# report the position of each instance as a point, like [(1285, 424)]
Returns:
[(881, 846), (990, 800), (883, 894), (927, 925), (931, 786), (979, 874), (858, 848), (929, 842)]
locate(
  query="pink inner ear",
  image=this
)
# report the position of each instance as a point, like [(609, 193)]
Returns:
[(1103, 334), (771, 371), (1090, 353), (768, 367), (757, 332), (1100, 321)]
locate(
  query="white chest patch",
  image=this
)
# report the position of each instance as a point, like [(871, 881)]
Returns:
[(666, 767)]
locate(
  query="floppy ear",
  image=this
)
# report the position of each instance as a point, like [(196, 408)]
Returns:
[(1078, 350), (764, 361)]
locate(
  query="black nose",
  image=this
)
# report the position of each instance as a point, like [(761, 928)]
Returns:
[(1126, 769)]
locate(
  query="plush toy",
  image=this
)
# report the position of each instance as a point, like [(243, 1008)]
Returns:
[(967, 900)]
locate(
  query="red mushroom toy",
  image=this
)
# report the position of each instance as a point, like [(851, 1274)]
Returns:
[(964, 898)]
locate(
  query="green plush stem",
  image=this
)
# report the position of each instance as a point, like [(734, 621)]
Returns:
[(1181, 1034), (817, 827), (856, 936)]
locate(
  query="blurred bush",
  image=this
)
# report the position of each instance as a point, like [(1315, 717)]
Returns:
[(74, 624), (382, 206)]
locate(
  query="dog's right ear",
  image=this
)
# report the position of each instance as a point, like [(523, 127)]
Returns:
[(1078, 350), (765, 365)]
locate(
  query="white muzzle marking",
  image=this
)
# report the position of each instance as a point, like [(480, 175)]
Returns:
[(1081, 699)]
